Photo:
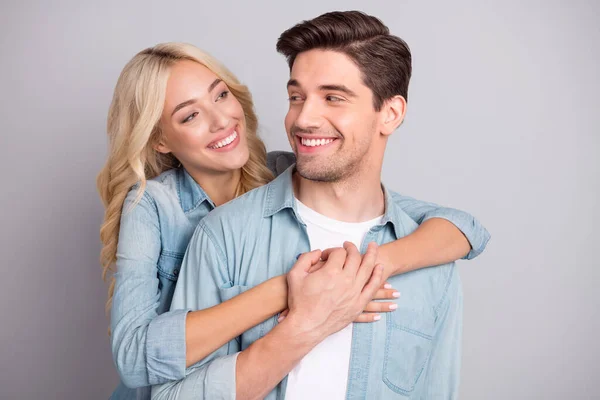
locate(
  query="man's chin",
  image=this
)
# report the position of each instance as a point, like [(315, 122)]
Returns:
[(316, 174)]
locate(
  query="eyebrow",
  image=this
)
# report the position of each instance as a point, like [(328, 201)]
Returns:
[(337, 88), (293, 82), (214, 84), (192, 101)]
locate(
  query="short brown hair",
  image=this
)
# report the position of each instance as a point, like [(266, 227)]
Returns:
[(383, 59)]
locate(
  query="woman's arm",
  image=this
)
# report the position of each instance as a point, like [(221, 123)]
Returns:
[(208, 329), (444, 235), (320, 303), (149, 348), (435, 242)]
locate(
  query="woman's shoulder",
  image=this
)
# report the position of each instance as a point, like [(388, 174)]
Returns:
[(279, 161), (158, 187)]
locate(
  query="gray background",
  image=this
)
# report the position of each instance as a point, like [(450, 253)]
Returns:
[(503, 122)]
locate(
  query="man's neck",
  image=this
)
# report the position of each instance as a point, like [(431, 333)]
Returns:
[(356, 199)]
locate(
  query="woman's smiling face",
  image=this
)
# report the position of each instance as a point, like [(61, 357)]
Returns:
[(202, 123)]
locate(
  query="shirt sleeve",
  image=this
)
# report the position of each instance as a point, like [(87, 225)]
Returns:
[(421, 211), (147, 348), (202, 279)]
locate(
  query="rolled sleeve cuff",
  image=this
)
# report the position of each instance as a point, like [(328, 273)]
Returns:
[(165, 347), (475, 233), (220, 378)]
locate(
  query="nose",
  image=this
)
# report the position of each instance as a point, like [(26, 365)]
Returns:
[(218, 119), (309, 117)]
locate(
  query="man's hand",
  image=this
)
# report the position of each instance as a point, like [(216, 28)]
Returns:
[(373, 308), (325, 298)]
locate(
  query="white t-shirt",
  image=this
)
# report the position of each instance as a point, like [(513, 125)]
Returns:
[(323, 373)]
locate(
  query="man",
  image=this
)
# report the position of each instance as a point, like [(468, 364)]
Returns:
[(347, 89)]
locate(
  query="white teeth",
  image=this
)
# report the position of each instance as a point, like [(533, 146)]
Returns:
[(315, 142), (225, 141)]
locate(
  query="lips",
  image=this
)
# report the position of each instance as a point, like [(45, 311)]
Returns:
[(217, 144)]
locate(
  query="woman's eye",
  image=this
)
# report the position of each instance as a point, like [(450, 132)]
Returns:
[(190, 117), (223, 95)]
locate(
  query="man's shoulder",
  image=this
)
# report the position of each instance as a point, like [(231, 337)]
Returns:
[(399, 199), (396, 204), (240, 211)]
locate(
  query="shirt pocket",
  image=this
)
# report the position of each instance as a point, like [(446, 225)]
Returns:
[(169, 264), (229, 291), (407, 349)]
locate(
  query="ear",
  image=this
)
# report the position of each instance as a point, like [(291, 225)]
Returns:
[(161, 147), (392, 114)]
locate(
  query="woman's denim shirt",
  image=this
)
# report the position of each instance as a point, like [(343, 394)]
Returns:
[(148, 340)]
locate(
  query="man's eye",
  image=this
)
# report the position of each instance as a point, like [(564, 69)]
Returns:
[(334, 99), (190, 117), (294, 98)]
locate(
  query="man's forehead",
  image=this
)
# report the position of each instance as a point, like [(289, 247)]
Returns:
[(325, 67)]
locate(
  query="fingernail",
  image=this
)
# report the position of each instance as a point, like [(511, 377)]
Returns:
[(281, 318), (387, 286), (393, 306), (377, 318), (396, 294)]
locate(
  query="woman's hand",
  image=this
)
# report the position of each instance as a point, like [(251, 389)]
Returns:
[(372, 310)]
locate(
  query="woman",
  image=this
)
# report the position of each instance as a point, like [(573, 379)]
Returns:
[(169, 165)]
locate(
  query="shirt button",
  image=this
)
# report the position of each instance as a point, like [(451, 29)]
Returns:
[(176, 272)]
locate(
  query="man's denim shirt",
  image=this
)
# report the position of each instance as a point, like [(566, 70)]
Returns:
[(413, 352)]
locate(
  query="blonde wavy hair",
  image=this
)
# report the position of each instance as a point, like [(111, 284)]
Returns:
[(133, 131)]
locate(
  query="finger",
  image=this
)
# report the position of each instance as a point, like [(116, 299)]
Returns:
[(368, 263), (303, 265), (315, 267), (336, 259), (325, 253), (374, 282), (376, 306), (353, 259), (384, 294), (386, 285), (368, 317), (283, 314)]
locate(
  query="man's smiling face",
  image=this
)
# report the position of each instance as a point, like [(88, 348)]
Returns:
[(331, 122)]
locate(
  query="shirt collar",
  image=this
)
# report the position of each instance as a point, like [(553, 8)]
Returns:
[(191, 195), (280, 195), (393, 214)]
